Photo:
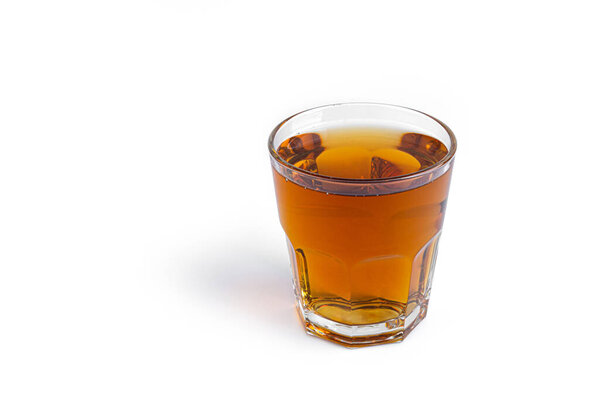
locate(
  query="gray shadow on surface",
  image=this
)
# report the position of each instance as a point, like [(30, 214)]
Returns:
[(245, 278)]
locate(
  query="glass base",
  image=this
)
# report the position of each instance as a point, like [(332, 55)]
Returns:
[(393, 330)]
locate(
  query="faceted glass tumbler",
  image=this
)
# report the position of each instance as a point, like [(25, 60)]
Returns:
[(362, 251)]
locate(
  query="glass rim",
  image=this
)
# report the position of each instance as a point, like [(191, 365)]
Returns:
[(445, 160)]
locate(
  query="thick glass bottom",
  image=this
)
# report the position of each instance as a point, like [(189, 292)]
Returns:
[(357, 335)]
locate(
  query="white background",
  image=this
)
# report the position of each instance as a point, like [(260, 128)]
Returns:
[(140, 251)]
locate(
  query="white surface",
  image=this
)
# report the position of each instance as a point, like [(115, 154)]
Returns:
[(140, 251)]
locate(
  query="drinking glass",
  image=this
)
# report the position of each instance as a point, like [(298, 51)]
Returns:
[(362, 250)]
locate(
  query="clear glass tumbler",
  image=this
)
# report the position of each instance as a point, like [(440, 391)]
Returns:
[(361, 191)]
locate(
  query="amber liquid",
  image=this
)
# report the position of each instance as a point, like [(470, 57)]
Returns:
[(362, 259)]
